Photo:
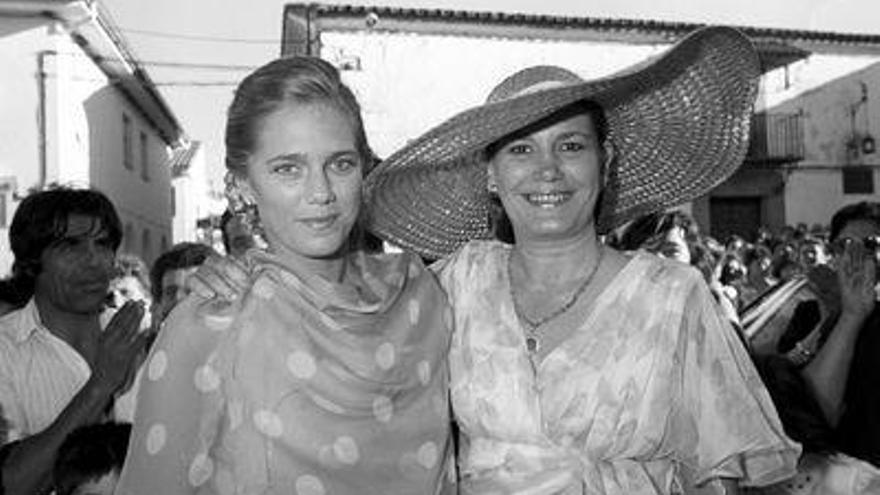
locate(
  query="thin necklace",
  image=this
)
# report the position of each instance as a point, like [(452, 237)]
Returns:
[(533, 341)]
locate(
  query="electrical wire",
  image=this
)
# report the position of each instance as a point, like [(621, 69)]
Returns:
[(197, 83), (194, 65), (190, 37)]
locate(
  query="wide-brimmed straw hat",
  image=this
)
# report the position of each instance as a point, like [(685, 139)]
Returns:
[(679, 125)]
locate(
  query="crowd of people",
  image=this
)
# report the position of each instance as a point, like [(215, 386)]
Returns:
[(552, 325)]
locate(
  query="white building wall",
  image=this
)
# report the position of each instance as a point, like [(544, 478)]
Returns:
[(832, 113), (21, 42), (84, 143), (142, 198), (191, 198), (409, 83)]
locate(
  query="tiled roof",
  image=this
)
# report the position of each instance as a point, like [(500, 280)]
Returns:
[(611, 29), (182, 158)]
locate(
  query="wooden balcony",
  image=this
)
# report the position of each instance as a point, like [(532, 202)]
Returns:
[(776, 139)]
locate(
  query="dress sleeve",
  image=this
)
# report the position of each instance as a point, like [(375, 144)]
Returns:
[(726, 421), (178, 390)]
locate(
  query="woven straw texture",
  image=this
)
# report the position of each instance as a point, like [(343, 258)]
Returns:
[(679, 124)]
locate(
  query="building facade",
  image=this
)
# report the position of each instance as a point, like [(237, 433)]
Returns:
[(442, 61), (840, 165), (189, 192), (77, 108)]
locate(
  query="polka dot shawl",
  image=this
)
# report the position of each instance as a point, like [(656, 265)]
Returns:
[(300, 387)]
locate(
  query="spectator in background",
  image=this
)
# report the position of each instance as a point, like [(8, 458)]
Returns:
[(169, 273), (668, 234), (90, 459), (824, 386), (735, 244), (785, 269), (11, 297), (237, 232), (849, 353), (64, 242), (732, 277), (812, 253), (758, 261), (763, 236)]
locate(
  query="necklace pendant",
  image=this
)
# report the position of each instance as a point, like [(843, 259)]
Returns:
[(532, 344)]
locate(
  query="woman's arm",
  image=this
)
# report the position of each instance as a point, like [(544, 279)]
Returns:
[(727, 427), (828, 372)]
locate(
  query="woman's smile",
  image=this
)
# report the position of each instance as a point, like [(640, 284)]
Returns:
[(548, 200)]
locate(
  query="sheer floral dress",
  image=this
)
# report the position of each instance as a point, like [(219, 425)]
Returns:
[(651, 390)]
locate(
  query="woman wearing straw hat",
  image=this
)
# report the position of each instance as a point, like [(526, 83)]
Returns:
[(328, 376), (576, 368)]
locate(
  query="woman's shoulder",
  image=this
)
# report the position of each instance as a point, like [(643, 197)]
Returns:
[(656, 270), (472, 256), (479, 252)]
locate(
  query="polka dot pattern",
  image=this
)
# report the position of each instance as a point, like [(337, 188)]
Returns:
[(268, 423), (158, 365), (386, 356), (414, 309), (309, 485), (427, 455), (346, 450), (200, 470), (156, 437), (383, 409), (423, 370), (301, 365), (206, 379)]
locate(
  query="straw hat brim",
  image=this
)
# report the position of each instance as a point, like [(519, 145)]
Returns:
[(679, 124)]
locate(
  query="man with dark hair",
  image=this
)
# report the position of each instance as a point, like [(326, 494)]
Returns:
[(58, 369), (843, 375), (169, 273), (825, 374)]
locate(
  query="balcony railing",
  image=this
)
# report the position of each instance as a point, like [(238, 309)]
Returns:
[(776, 139)]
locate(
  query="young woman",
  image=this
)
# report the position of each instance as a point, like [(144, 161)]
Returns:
[(329, 375)]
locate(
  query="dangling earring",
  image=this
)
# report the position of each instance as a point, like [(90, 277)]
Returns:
[(245, 211), (492, 188), (610, 155)]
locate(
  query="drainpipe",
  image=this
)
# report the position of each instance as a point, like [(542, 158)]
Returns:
[(43, 116)]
